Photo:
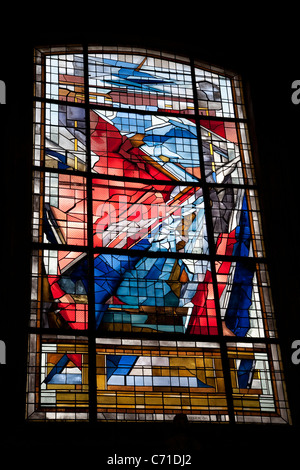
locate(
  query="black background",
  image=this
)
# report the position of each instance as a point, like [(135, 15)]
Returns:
[(264, 50)]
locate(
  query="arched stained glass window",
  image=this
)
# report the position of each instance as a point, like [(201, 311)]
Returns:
[(150, 288)]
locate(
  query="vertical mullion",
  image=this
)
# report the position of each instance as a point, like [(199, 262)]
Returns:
[(212, 254), (91, 296)]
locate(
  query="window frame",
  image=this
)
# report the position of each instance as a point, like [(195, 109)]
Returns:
[(91, 334)]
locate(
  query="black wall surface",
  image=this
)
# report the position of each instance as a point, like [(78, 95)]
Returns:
[(265, 53)]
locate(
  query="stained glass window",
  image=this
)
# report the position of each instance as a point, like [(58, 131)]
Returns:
[(150, 290)]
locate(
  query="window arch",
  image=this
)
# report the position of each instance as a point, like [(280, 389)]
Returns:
[(150, 289)]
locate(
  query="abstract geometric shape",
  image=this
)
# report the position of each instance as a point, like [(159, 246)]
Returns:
[(59, 374)]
